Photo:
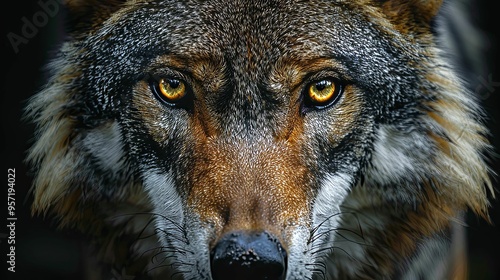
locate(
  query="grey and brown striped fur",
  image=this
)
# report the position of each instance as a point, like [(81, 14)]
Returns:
[(368, 183)]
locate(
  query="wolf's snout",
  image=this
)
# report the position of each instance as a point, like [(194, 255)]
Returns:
[(248, 255)]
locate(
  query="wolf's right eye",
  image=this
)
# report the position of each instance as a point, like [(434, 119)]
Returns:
[(171, 91), (322, 93)]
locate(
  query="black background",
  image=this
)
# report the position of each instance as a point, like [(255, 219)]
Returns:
[(44, 253)]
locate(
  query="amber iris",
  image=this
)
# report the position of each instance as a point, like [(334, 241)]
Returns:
[(172, 90), (322, 92)]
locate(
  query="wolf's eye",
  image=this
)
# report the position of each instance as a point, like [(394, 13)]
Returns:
[(322, 93), (171, 91)]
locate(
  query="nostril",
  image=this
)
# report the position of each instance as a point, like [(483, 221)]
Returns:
[(243, 255)]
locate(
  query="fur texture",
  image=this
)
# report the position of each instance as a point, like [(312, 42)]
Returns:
[(368, 186)]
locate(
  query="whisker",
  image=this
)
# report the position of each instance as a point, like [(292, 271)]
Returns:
[(176, 227), (354, 241), (336, 230), (162, 252), (316, 228), (155, 259), (177, 271), (308, 277), (315, 269), (332, 248), (165, 231), (319, 250), (144, 229), (313, 236), (346, 239), (174, 223)]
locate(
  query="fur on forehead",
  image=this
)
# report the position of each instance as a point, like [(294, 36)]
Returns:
[(418, 11), (87, 14)]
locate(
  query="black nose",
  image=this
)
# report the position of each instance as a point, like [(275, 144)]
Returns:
[(245, 256)]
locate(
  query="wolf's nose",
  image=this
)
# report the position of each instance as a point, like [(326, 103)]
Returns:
[(248, 255)]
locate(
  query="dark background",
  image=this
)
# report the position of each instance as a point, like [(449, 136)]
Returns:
[(44, 253)]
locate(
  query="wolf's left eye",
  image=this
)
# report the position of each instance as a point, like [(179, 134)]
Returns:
[(171, 91), (322, 93)]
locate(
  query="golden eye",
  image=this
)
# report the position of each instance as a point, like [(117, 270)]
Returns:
[(171, 90), (322, 93)]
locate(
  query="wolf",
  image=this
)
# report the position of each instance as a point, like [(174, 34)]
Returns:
[(280, 140)]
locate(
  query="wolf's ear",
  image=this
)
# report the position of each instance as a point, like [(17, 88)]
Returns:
[(411, 14), (85, 15)]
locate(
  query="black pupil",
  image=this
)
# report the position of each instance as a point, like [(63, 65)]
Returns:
[(321, 85), (173, 83)]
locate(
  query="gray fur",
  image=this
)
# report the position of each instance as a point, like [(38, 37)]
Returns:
[(374, 159)]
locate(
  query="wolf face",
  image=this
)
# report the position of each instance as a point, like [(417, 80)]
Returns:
[(259, 139)]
